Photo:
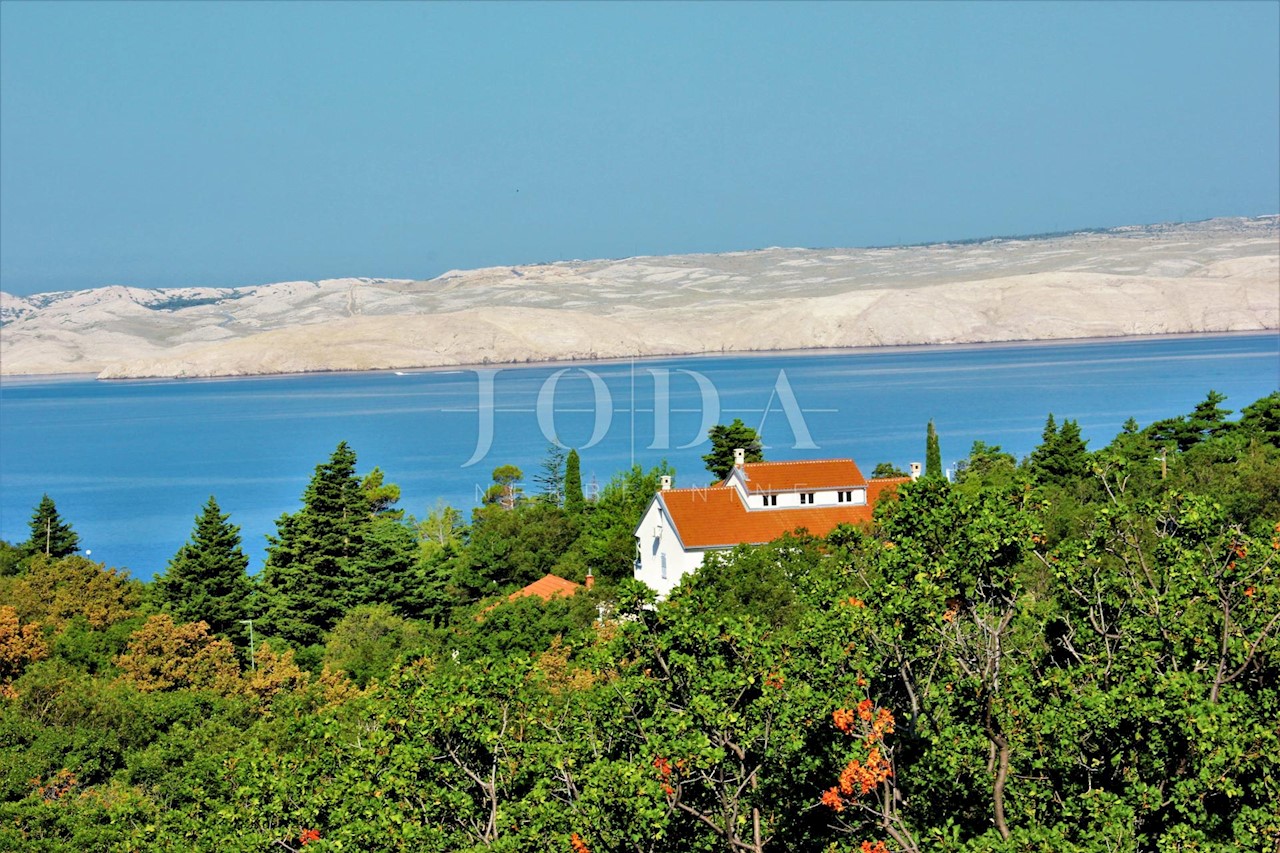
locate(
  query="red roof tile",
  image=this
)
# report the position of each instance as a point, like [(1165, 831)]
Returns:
[(877, 487), (546, 588), (814, 475), (715, 517)]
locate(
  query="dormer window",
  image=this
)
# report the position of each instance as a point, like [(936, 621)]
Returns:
[(768, 500), (844, 497), (806, 497)]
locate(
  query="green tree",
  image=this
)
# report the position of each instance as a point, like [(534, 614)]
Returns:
[(381, 496), (345, 545), (608, 540), (550, 476), (505, 491), (206, 580), (50, 535), (726, 439), (932, 454), (1061, 456), (573, 500), (986, 464), (1261, 419), (886, 470), (369, 641)]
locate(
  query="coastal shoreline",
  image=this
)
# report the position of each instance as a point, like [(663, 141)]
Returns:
[(905, 349)]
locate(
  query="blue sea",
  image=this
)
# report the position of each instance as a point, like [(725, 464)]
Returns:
[(130, 463)]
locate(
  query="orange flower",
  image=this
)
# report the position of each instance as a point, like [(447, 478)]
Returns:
[(308, 835), (1249, 593), (663, 766), (868, 847), (843, 719), (578, 845), (831, 799), (865, 709), (854, 601), (775, 681)]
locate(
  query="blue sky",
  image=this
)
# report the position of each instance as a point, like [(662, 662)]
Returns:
[(174, 144)]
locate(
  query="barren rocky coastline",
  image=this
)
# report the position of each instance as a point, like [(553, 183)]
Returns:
[(1216, 276)]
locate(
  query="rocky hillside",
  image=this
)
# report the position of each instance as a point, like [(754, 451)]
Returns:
[(1221, 275)]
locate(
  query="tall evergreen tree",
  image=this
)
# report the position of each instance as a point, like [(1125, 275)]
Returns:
[(50, 535), (726, 439), (207, 580), (932, 454), (573, 500), (1062, 455), (307, 575), (550, 476)]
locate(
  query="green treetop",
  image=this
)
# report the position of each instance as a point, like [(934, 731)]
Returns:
[(573, 500), (50, 535), (932, 454), (726, 439), (342, 548), (1062, 455), (207, 580)]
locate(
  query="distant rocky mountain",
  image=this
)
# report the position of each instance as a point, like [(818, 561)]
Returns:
[(1220, 275)]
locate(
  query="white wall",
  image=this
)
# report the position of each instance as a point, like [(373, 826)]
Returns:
[(657, 539)]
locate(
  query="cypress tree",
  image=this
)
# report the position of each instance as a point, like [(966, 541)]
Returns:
[(50, 535), (932, 454), (573, 500), (207, 580)]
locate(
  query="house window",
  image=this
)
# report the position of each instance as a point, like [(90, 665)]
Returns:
[(663, 563), (844, 497), (806, 497), (768, 500)]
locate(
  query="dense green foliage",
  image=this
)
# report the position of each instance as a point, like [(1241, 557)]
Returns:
[(573, 498), (1078, 651), (50, 535), (932, 453), (206, 579), (727, 438)]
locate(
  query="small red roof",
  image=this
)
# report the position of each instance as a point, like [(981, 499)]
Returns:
[(715, 517), (814, 475), (547, 587)]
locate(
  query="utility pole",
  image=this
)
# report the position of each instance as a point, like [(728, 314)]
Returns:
[(253, 661), (48, 533), (1164, 463)]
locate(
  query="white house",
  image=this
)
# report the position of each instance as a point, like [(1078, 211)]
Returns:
[(756, 503)]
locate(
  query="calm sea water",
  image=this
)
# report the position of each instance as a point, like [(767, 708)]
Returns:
[(131, 463)]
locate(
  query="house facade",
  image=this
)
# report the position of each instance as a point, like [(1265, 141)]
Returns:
[(756, 503)]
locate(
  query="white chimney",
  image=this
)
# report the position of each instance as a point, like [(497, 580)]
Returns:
[(915, 470), (666, 482), (739, 457)]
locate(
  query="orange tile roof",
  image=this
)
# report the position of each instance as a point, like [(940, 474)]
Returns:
[(715, 517), (879, 486), (794, 476), (546, 588)]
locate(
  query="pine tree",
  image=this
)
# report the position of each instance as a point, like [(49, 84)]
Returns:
[(307, 577), (207, 580), (573, 500), (1062, 454), (932, 454), (50, 535), (726, 439), (550, 476)]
